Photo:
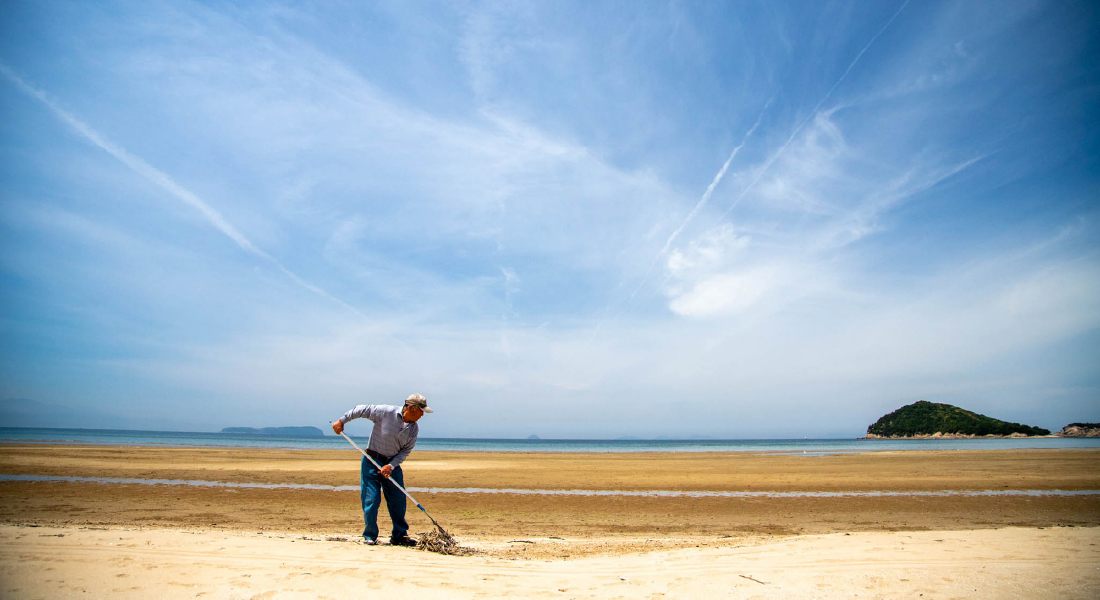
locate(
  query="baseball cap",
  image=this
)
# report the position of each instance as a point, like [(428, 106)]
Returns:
[(419, 402)]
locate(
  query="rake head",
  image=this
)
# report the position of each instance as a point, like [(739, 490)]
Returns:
[(442, 542)]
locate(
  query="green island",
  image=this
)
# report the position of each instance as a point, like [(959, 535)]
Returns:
[(932, 419)]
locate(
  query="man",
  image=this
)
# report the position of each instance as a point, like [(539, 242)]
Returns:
[(391, 441)]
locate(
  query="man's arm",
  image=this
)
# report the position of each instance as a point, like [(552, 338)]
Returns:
[(361, 411)]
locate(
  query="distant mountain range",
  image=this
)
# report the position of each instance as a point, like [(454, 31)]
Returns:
[(283, 431), (931, 419)]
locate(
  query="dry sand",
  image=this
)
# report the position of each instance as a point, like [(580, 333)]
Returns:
[(125, 563), (242, 542)]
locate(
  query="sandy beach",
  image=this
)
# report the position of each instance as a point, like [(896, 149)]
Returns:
[(244, 542), (49, 562)]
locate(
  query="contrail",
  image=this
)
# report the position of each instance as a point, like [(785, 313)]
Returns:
[(706, 197), (162, 179), (767, 165), (812, 114), (717, 178)]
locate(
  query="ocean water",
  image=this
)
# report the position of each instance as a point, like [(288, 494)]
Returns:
[(119, 437)]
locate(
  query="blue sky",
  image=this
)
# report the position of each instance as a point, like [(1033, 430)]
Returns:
[(590, 219)]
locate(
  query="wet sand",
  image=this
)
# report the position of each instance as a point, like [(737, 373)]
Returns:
[(508, 515), (541, 528), (904, 470)]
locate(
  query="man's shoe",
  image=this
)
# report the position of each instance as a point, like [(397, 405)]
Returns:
[(370, 541), (402, 541)]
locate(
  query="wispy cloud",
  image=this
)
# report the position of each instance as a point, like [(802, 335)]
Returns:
[(162, 180), (715, 292), (702, 201), (855, 224), (812, 114), (822, 195)]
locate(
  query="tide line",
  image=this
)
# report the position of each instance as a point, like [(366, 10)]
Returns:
[(528, 492)]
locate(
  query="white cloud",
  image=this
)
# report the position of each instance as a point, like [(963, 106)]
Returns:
[(725, 294), (708, 252)]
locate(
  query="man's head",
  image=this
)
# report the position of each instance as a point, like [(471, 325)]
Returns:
[(415, 407)]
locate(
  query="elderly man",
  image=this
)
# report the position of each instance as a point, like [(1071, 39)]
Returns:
[(391, 441)]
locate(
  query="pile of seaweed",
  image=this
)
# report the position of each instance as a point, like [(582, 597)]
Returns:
[(442, 542)]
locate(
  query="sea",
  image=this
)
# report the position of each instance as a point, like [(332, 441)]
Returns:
[(124, 437)]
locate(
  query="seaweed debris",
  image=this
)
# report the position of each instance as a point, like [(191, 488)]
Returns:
[(441, 542)]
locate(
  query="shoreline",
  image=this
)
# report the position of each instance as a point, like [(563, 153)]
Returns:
[(86, 437), (558, 492)]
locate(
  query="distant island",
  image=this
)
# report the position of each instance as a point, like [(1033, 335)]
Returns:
[(285, 431), (1080, 430), (533, 437), (933, 420)]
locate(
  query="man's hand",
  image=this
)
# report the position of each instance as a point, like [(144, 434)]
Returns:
[(338, 427), (386, 470)]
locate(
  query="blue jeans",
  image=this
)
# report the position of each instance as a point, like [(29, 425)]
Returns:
[(371, 482)]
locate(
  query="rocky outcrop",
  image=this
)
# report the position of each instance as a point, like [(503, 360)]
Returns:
[(1080, 430), (939, 435)]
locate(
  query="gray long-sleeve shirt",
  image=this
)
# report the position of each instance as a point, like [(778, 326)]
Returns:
[(391, 436)]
